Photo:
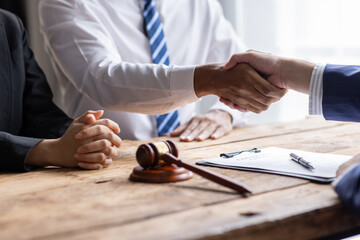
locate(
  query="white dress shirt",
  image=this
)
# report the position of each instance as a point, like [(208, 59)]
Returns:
[(316, 90), (102, 58)]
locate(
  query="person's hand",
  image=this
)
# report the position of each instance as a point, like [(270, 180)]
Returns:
[(89, 143), (241, 85), (282, 72), (269, 66), (214, 124), (97, 141), (346, 165)]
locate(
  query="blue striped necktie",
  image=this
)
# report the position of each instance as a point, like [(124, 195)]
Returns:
[(166, 123)]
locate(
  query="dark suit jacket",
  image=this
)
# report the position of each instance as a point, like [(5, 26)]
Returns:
[(27, 113), (348, 189), (341, 101), (341, 97)]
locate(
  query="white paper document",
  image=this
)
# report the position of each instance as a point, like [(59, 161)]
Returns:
[(278, 161)]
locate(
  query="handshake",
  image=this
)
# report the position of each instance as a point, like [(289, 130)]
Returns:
[(252, 81)]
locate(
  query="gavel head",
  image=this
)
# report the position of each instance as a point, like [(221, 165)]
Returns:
[(149, 155)]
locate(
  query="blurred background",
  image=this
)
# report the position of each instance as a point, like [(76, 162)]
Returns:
[(321, 31)]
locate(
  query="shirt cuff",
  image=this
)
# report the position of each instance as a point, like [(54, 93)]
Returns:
[(182, 85), (316, 90)]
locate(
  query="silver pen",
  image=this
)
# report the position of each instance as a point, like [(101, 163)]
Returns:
[(301, 161)]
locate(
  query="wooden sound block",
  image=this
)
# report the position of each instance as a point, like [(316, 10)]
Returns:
[(160, 174)]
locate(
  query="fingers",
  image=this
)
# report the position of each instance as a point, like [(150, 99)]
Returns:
[(95, 146), (263, 62), (266, 91), (194, 130), (95, 130), (90, 166), (255, 104), (249, 90), (180, 129), (114, 139), (89, 116), (252, 104), (214, 124), (219, 133), (94, 157), (98, 114), (232, 105), (92, 117), (108, 151), (111, 152), (237, 58), (207, 132), (94, 166), (110, 124), (276, 70), (203, 132), (248, 103), (186, 135)]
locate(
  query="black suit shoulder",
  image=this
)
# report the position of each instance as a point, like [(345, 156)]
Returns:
[(7, 16), (11, 23)]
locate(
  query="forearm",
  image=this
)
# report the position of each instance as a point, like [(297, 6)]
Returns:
[(43, 154), (296, 74), (206, 78), (132, 87)]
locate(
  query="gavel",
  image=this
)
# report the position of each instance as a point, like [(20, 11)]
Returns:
[(152, 154)]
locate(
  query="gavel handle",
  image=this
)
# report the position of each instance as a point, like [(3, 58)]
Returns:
[(212, 176)]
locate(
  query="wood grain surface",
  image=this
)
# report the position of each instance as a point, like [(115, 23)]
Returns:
[(57, 203)]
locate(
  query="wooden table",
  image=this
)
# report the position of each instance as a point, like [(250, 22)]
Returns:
[(78, 204)]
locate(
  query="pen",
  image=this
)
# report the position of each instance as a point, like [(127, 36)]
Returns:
[(301, 161)]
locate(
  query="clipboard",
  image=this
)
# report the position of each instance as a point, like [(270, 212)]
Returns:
[(276, 160)]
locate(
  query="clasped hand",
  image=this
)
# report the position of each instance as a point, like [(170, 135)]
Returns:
[(89, 143)]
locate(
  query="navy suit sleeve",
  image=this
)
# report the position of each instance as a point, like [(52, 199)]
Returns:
[(348, 189), (14, 150), (341, 96)]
